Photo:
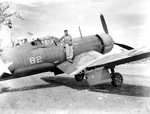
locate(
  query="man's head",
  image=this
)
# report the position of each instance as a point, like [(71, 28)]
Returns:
[(66, 32)]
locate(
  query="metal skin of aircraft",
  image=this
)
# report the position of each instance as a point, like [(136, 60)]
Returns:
[(89, 59)]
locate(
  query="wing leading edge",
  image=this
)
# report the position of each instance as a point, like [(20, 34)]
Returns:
[(121, 58)]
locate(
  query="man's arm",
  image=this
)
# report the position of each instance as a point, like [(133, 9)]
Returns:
[(70, 38)]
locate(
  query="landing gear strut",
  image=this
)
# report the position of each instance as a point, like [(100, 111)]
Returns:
[(117, 78)]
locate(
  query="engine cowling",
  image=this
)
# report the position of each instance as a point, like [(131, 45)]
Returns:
[(107, 43)]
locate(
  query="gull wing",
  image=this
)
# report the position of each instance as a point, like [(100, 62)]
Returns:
[(92, 59)]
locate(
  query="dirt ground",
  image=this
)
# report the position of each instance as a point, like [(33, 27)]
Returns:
[(48, 94)]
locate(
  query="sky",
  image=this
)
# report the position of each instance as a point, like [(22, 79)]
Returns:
[(128, 21)]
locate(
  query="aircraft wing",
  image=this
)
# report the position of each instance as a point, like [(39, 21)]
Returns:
[(81, 61), (92, 59), (121, 58)]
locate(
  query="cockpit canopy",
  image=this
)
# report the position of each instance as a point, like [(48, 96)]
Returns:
[(39, 43), (49, 41)]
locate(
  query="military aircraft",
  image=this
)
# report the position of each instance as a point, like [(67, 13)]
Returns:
[(90, 61)]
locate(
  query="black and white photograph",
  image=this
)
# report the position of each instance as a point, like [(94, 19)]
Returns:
[(74, 57)]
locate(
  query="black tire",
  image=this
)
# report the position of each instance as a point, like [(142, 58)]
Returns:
[(79, 77), (117, 79)]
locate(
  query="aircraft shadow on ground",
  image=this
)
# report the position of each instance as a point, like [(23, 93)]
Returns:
[(125, 89)]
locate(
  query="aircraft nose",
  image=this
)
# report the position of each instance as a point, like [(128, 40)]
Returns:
[(107, 42)]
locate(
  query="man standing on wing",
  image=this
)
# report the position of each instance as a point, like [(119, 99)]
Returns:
[(67, 41)]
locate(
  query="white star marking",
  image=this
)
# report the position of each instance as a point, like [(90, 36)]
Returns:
[(4, 67)]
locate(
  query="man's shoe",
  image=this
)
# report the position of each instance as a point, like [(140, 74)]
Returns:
[(69, 60)]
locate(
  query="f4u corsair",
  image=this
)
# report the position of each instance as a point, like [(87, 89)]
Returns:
[(89, 59)]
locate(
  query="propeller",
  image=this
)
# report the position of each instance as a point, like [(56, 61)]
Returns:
[(124, 46), (104, 25)]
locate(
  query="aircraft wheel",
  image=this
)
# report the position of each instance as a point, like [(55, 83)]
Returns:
[(117, 79), (80, 76)]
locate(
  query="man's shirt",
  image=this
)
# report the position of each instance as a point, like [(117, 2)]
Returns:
[(67, 39)]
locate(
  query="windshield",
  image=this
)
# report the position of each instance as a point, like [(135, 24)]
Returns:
[(49, 41)]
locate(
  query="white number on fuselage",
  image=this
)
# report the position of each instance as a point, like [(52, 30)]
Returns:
[(34, 60), (38, 59)]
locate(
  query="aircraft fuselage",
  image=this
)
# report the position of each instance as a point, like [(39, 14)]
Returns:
[(33, 57)]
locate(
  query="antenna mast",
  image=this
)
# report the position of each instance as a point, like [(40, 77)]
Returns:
[(80, 32)]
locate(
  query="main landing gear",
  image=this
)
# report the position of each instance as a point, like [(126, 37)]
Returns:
[(80, 76), (116, 77)]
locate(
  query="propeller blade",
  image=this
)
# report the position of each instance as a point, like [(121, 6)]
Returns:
[(124, 46), (106, 31), (104, 23)]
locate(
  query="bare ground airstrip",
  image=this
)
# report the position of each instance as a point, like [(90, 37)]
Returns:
[(48, 94)]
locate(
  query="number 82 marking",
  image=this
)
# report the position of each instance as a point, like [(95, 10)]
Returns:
[(34, 60)]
